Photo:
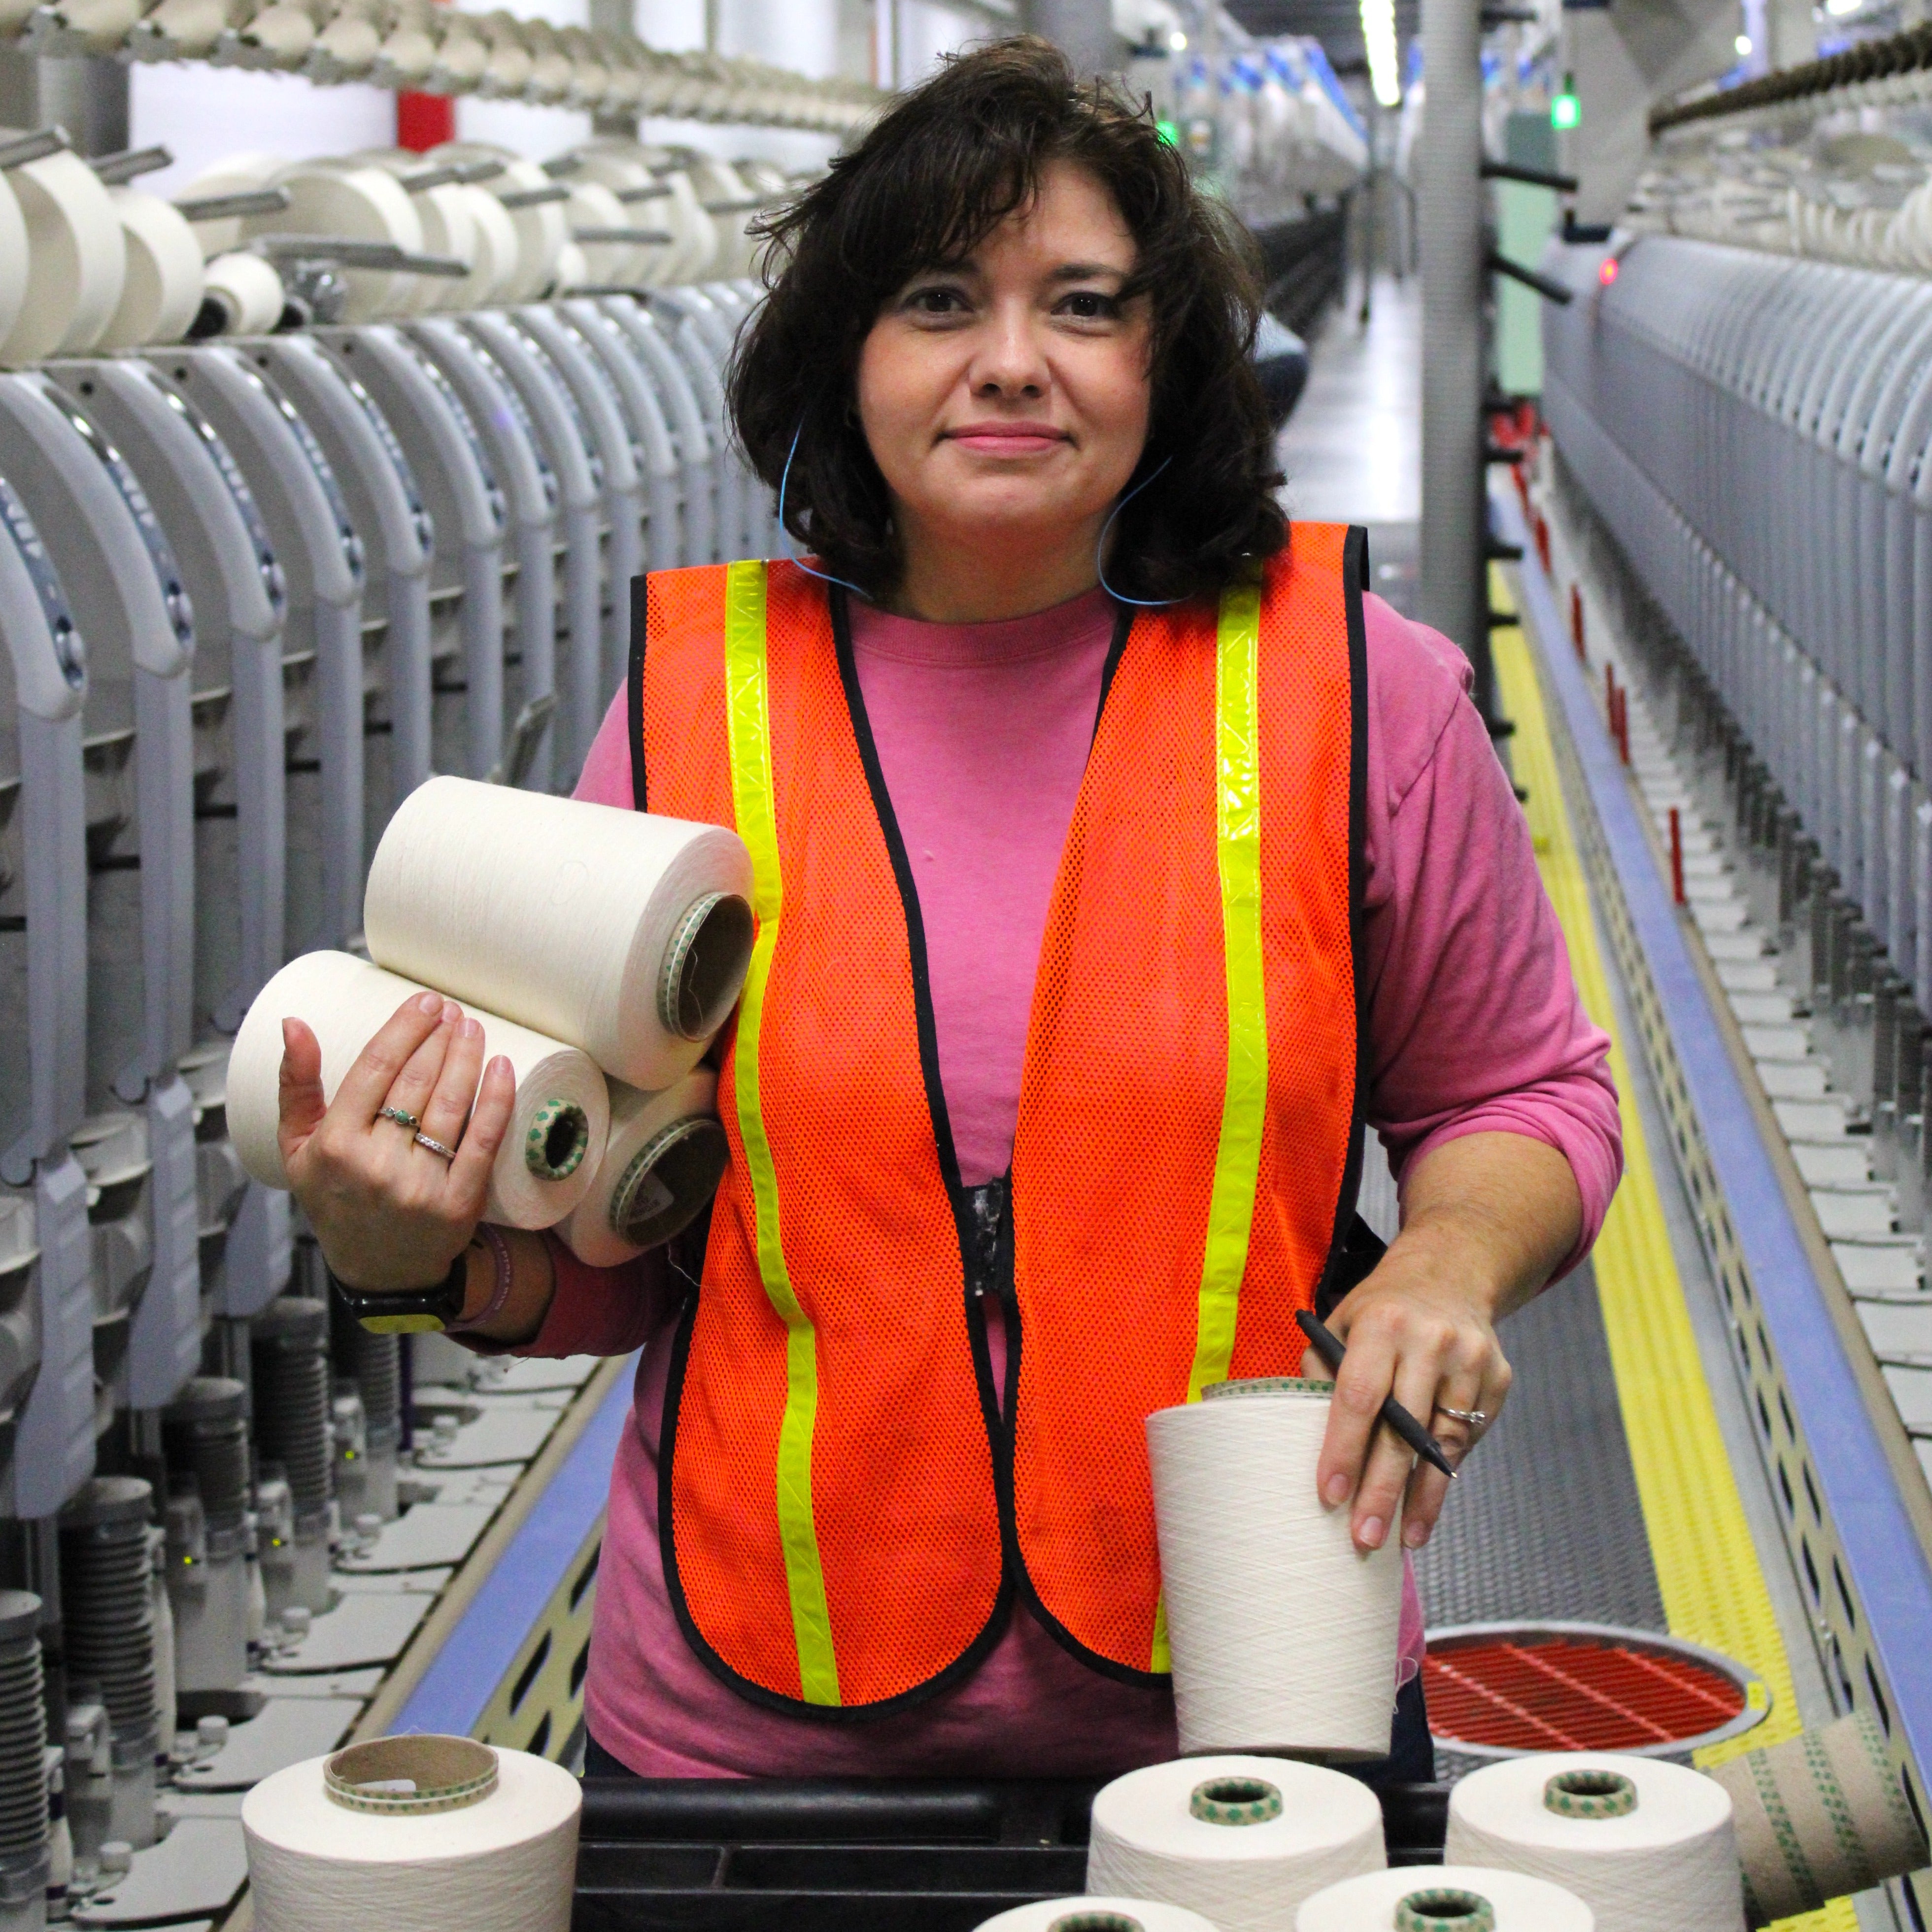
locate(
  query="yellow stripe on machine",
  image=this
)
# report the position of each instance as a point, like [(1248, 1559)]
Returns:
[(748, 714), (1708, 1572)]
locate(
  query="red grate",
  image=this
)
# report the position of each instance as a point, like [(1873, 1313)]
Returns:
[(1555, 1693)]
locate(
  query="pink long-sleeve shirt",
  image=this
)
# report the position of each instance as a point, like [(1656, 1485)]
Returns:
[(1474, 1026)]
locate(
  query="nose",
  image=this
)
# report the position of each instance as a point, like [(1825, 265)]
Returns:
[(1009, 364)]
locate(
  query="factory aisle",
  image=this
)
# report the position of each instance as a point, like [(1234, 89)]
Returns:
[(1649, 1523), (1352, 450)]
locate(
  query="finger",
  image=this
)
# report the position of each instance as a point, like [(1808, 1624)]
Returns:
[(1464, 1385), (1422, 1506), (1385, 1474), (300, 1099), (489, 1121), (1428, 1487), (410, 1091), (366, 1085), (445, 1111), (1361, 1382)]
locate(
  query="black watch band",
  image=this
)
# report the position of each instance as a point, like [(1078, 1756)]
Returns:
[(410, 1311)]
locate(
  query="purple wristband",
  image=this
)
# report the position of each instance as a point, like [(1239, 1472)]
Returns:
[(500, 1295)]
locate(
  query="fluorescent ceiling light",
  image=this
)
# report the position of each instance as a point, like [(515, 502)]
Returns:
[(1378, 35)]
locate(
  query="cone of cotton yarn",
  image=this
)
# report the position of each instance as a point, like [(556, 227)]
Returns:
[(458, 1843), (1283, 1634), (547, 1162), (1242, 1840), (76, 259), (242, 295), (161, 288), (1649, 1844), (1098, 1914), (1402, 1898), (1819, 1816), (662, 1162), (619, 932)]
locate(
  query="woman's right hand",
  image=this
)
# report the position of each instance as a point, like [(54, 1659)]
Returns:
[(389, 1213)]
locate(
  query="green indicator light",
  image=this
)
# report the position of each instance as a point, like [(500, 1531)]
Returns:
[(1168, 133), (1566, 111)]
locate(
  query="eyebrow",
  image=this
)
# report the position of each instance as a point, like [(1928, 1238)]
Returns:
[(1067, 271)]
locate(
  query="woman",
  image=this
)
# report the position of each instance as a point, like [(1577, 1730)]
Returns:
[(1113, 852)]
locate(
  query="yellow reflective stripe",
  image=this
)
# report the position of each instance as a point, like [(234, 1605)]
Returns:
[(748, 719), (1237, 1159)]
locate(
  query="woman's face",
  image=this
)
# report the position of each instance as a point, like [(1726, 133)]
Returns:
[(1005, 396)]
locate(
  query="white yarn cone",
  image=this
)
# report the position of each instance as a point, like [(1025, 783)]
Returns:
[(1647, 1844), (1098, 1914), (1520, 1904), (1242, 1840), (1284, 1635)]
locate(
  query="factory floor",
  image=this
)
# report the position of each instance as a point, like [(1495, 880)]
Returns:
[(1352, 450), (1624, 1484)]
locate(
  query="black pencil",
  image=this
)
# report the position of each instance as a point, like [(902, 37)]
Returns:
[(1328, 1345)]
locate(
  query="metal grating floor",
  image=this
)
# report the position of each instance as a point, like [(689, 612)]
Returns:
[(1546, 1524), (1574, 1697)]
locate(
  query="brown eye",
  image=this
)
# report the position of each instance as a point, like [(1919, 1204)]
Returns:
[(936, 301), (1089, 305)]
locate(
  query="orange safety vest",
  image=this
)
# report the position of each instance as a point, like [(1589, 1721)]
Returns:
[(846, 1511)]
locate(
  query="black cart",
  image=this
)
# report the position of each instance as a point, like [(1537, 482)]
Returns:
[(850, 1855)]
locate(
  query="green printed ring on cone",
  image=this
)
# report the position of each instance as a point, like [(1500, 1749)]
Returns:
[(558, 1139), (1236, 1801), (1590, 1794), (1445, 1908), (1268, 1385)]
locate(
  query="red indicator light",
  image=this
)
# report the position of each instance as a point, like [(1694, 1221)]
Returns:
[(1606, 270)]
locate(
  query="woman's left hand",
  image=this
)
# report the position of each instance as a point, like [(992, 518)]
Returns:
[(1488, 1218)]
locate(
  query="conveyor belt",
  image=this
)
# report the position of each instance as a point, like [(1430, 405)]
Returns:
[(1534, 1535), (1702, 1488), (1708, 1569)]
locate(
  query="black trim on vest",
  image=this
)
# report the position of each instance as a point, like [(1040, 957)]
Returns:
[(977, 1652), (961, 1667), (960, 1196), (1124, 624), (1345, 1252), (1345, 1248), (634, 686), (1003, 1421)]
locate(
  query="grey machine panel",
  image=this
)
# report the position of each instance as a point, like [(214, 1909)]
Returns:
[(228, 562), (625, 466), (322, 556), (702, 336), (129, 600), (46, 1306), (571, 450), (467, 511), (690, 423), (650, 429), (387, 507)]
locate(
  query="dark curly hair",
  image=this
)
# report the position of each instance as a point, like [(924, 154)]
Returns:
[(933, 177)]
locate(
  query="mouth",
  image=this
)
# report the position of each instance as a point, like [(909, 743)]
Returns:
[(1008, 439)]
